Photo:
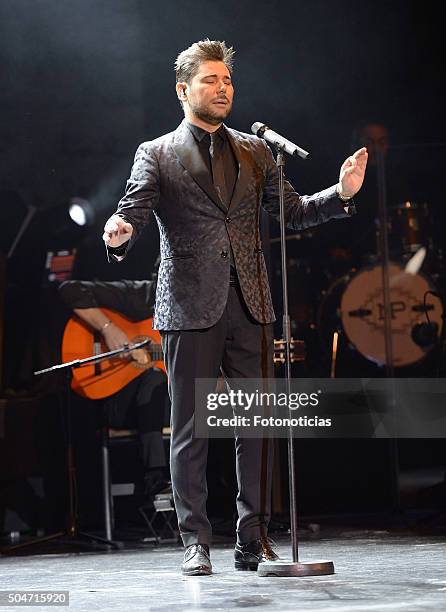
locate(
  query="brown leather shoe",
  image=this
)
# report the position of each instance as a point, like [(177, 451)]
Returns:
[(197, 561), (248, 556)]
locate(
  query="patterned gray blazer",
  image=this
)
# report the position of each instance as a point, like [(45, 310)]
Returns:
[(170, 179)]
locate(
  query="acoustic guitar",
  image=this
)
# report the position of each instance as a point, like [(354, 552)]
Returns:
[(297, 351), (102, 379)]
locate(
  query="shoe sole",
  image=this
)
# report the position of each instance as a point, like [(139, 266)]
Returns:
[(244, 566), (197, 572)]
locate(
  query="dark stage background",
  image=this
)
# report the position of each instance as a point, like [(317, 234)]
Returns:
[(83, 83)]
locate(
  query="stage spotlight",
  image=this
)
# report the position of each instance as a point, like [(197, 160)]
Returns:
[(68, 222), (81, 211)]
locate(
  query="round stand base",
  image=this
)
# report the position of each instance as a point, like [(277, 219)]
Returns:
[(290, 568)]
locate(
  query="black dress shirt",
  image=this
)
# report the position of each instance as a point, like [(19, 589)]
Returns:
[(203, 140), (230, 167), (133, 299)]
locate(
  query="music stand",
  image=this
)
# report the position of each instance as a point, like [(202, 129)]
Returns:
[(72, 533)]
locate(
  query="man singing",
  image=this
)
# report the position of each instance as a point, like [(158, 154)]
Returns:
[(205, 184)]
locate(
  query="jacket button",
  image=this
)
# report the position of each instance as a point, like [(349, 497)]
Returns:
[(224, 254), (228, 219)]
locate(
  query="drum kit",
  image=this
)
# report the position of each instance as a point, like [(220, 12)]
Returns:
[(354, 307)]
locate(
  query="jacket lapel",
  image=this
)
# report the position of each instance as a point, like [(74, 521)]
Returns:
[(244, 161), (189, 156)]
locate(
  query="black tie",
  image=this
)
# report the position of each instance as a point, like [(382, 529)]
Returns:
[(218, 170)]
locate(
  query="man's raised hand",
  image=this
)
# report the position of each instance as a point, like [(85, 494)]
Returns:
[(117, 231), (352, 173)]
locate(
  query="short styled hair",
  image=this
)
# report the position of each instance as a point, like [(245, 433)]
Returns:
[(189, 60)]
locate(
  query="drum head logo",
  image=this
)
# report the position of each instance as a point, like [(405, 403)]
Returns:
[(362, 313)]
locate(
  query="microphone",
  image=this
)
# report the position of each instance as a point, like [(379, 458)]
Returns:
[(262, 131), (425, 334)]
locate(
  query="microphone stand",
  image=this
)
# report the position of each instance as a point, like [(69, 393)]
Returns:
[(286, 568), (383, 255), (72, 532)]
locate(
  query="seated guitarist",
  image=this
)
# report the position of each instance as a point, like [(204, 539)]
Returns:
[(142, 401)]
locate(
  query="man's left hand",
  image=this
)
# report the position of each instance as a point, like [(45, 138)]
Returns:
[(352, 173)]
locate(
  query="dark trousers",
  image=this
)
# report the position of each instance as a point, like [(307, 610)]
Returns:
[(238, 347)]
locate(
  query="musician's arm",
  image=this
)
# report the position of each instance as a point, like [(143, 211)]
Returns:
[(85, 297), (113, 335)]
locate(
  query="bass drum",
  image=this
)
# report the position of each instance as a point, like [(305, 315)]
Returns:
[(354, 304)]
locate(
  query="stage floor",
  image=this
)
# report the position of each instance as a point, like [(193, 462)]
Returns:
[(374, 571)]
